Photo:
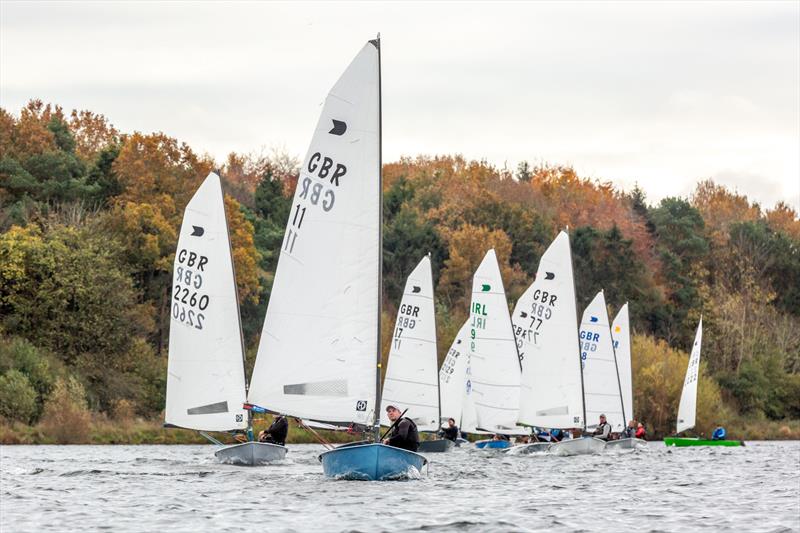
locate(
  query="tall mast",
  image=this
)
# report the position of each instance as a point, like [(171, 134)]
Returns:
[(577, 320), (438, 383), (376, 422), (238, 309), (619, 381)]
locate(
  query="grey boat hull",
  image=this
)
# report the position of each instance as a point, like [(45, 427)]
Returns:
[(626, 444), (529, 449), (251, 454), (435, 446), (581, 446)]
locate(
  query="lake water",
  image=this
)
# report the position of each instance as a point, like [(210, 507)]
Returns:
[(182, 488)]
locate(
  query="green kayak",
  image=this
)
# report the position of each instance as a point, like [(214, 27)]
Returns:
[(693, 441)]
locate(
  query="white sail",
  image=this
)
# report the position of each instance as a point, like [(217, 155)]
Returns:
[(316, 356), (600, 378), (493, 352), (411, 371), (453, 377), (205, 375), (545, 324), (621, 335), (687, 409)]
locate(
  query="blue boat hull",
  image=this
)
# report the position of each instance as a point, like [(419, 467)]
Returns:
[(493, 444), (371, 462)]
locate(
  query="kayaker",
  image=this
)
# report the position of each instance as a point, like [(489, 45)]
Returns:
[(404, 433), (276, 432), (640, 431), (630, 430), (451, 431), (603, 429)]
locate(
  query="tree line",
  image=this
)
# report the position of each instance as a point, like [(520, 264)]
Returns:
[(90, 217)]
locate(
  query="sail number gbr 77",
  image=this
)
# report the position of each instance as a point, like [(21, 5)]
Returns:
[(188, 303)]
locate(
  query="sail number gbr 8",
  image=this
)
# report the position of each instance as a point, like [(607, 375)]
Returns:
[(188, 302)]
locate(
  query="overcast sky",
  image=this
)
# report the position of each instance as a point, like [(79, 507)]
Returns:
[(663, 94)]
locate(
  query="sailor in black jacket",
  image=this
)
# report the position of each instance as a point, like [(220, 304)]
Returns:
[(277, 431), (404, 433)]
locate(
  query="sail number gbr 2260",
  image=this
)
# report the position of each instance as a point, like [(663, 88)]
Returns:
[(188, 303)]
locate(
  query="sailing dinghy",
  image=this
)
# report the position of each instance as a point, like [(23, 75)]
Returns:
[(411, 380), (687, 408), (319, 354), (620, 334), (453, 383), (493, 357), (206, 386), (545, 324), (601, 388)]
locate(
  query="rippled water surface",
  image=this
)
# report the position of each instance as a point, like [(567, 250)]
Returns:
[(181, 488)]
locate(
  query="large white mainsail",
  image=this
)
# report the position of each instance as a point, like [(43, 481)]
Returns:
[(621, 335), (317, 354), (411, 371), (687, 409), (205, 375), (545, 320), (453, 377), (600, 379), (493, 356)]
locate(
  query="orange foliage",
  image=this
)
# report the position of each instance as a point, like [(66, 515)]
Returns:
[(784, 218), (245, 255), (720, 208), (152, 168), (31, 135), (92, 133), (467, 247)]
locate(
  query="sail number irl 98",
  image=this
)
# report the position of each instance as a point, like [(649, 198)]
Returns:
[(188, 303)]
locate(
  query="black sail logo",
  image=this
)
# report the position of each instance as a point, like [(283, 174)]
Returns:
[(197, 231), (339, 127)]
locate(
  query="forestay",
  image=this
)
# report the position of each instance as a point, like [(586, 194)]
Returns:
[(453, 377), (411, 371), (316, 357), (600, 378), (687, 409), (545, 324), (205, 375), (493, 357), (621, 335)]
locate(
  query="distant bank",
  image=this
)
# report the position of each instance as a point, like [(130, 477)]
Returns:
[(102, 430)]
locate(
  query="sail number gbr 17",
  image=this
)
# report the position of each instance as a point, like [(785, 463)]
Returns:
[(188, 302)]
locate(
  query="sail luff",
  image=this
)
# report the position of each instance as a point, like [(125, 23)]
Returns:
[(376, 417)]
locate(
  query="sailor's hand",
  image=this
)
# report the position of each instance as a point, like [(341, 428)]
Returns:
[(385, 441)]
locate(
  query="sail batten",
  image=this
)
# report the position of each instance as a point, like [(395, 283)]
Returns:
[(205, 375), (322, 317)]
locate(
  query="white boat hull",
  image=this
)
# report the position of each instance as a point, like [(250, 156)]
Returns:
[(251, 454), (582, 446), (626, 444)]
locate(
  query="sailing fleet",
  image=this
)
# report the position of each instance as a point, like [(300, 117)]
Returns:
[(319, 356)]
